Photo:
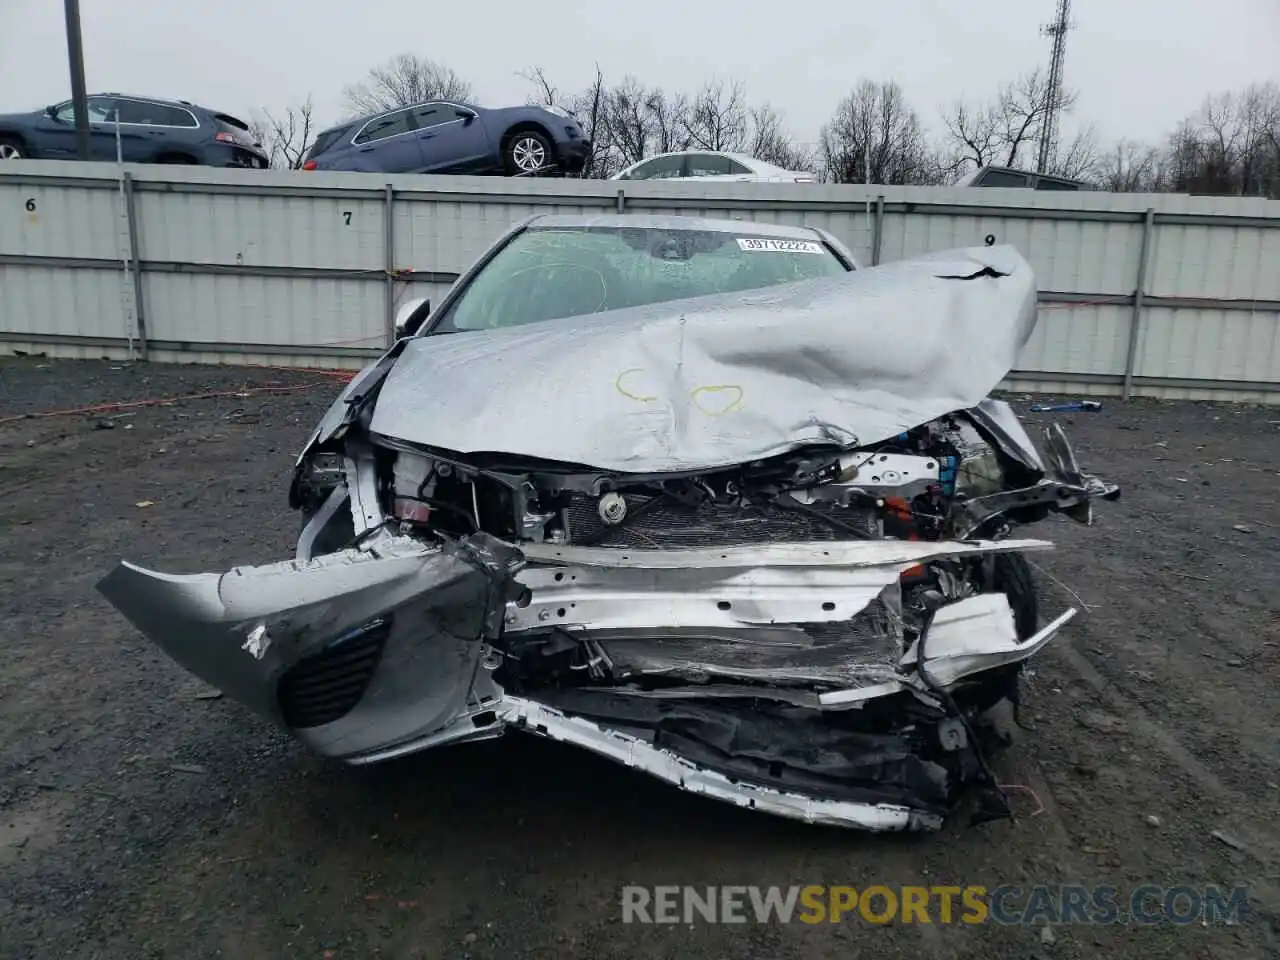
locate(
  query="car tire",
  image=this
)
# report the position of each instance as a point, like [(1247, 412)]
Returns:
[(1013, 579), (12, 149), (526, 152)]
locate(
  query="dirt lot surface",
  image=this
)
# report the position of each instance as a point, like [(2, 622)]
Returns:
[(141, 819)]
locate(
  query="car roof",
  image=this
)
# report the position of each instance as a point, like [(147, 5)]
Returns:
[(340, 126), (180, 104), (973, 178), (660, 221), (693, 150), (363, 118), (745, 159)]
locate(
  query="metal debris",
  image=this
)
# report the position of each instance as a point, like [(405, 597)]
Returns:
[(1231, 841), (257, 641)]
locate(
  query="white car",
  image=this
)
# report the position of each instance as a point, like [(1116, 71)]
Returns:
[(711, 165)]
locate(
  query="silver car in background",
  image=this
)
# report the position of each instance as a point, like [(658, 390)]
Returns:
[(712, 165)]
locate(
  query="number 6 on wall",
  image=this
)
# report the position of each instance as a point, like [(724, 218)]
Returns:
[(31, 205)]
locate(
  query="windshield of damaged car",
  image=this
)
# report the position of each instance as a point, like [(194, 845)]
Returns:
[(555, 272)]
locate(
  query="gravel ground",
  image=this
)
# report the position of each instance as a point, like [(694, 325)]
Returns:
[(138, 819)]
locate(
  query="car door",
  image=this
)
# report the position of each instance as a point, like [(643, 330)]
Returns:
[(103, 132), (389, 144), (55, 133), (701, 165), (452, 138), (149, 129)]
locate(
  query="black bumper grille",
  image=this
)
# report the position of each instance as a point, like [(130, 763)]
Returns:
[(670, 523), (326, 686)]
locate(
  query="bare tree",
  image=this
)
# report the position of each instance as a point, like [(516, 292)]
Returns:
[(717, 119), (1006, 129), (1078, 159), (1131, 167), (402, 81), (546, 92), (1258, 110), (1021, 109), (628, 123), (1231, 145), (287, 137), (974, 134), (1218, 138), (1186, 157), (669, 115), (875, 136), (772, 144), (591, 109)]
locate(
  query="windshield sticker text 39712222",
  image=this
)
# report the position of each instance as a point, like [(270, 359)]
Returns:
[(759, 245)]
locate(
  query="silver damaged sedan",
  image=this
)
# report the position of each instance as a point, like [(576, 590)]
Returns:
[(704, 497)]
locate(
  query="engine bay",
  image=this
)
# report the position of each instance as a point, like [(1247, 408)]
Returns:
[(759, 669), (966, 474)]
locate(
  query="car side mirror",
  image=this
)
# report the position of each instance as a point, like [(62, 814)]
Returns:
[(51, 111), (467, 116), (411, 317)]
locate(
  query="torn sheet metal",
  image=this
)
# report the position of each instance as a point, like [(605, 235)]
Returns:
[(977, 634), (958, 648), (399, 629), (999, 420), (721, 380), (978, 637)]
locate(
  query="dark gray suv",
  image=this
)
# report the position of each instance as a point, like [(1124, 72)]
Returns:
[(148, 131)]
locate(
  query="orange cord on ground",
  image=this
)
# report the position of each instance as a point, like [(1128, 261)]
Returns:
[(161, 401)]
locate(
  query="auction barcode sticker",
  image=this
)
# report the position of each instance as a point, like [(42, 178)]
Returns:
[(779, 246)]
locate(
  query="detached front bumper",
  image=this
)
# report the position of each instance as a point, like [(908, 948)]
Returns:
[(356, 653)]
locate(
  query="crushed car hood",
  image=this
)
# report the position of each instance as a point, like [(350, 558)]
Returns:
[(726, 379)]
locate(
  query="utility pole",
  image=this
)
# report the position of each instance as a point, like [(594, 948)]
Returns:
[(79, 97), (1053, 96)]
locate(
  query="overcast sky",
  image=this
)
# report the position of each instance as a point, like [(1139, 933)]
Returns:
[(1139, 65)]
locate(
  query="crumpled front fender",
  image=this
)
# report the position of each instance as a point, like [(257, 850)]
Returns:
[(394, 631)]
